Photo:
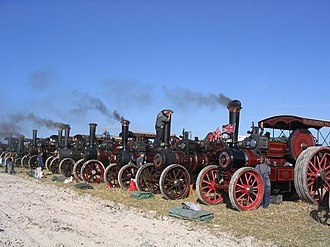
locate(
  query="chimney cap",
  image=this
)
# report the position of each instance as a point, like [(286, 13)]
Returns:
[(235, 104)]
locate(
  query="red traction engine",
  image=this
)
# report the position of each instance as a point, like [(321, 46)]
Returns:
[(120, 173), (174, 168), (297, 164), (96, 158)]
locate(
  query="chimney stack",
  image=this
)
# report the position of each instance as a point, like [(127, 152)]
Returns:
[(66, 137), (34, 138), (234, 108), (92, 131), (124, 133)]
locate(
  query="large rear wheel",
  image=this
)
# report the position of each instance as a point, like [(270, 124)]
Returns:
[(111, 175), (92, 171), (25, 161), (174, 182), (66, 167), (207, 186), (126, 173), (54, 165), (246, 189), (77, 169), (312, 174), (147, 179), (33, 162)]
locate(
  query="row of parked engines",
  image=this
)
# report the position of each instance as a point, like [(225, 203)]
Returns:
[(217, 168)]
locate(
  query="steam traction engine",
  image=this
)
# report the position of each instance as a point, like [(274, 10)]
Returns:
[(120, 173), (64, 162), (96, 158), (297, 163), (173, 168)]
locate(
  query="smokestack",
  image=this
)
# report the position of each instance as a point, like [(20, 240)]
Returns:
[(10, 140), (124, 133), (167, 133), (21, 143), (92, 131), (59, 135), (34, 138), (66, 137), (234, 108)]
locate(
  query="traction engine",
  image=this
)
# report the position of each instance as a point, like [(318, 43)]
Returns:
[(297, 164), (120, 173), (174, 168)]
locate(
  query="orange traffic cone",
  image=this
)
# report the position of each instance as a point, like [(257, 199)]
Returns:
[(108, 186), (132, 185)]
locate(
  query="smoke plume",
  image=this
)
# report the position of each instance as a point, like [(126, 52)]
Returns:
[(42, 122), (185, 97), (41, 78), (88, 102), (7, 129)]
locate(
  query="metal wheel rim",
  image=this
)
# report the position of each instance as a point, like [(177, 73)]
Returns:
[(312, 174), (92, 171), (174, 182), (246, 189), (206, 188), (146, 179), (77, 169), (111, 175), (126, 173), (66, 167)]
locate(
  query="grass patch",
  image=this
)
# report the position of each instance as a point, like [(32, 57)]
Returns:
[(286, 224)]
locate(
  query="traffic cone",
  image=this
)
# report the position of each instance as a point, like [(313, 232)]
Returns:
[(108, 186), (191, 189), (132, 185)]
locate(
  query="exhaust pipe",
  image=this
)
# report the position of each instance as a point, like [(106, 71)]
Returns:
[(124, 133), (234, 108), (34, 138), (66, 137), (92, 131)]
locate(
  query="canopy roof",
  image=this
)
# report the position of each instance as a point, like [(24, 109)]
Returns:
[(290, 122)]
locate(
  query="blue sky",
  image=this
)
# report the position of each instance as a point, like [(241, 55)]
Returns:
[(77, 62)]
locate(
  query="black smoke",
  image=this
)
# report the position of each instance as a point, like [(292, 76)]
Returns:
[(185, 98), (9, 128), (87, 102), (39, 121)]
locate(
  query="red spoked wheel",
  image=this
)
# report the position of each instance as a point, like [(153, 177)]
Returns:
[(207, 186), (111, 175), (33, 162), (174, 182), (92, 171), (126, 173), (47, 163), (246, 189), (312, 174), (147, 179), (66, 167), (54, 165), (25, 161), (77, 169)]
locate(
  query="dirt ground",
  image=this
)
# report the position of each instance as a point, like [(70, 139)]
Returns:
[(38, 214)]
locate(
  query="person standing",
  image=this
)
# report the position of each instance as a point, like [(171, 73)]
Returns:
[(163, 117), (4, 162), (11, 163), (140, 160), (264, 170)]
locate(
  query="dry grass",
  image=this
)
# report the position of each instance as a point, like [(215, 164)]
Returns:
[(287, 224)]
